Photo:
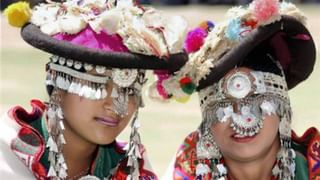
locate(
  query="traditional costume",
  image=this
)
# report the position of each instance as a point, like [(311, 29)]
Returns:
[(247, 64), (119, 37)]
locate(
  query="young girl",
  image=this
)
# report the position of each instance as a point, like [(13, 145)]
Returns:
[(100, 51), (243, 71)]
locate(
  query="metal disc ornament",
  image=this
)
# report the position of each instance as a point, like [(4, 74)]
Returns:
[(124, 77), (238, 85)]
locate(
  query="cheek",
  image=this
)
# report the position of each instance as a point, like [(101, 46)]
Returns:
[(220, 132), (77, 108), (270, 127)]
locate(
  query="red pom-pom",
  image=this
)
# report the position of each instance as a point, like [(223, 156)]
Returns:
[(252, 23), (195, 40), (185, 80)]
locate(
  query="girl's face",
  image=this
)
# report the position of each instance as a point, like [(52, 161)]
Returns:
[(246, 149), (94, 120)]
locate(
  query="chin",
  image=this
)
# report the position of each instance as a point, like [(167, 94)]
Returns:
[(104, 141), (246, 154)]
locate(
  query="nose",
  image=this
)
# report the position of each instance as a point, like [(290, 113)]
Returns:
[(107, 101)]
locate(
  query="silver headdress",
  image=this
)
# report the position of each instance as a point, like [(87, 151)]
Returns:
[(74, 77), (254, 94)]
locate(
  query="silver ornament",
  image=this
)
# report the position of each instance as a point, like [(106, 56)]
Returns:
[(124, 77), (238, 85)]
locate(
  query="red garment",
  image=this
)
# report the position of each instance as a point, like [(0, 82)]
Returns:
[(186, 158)]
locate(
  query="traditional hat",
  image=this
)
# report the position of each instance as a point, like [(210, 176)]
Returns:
[(94, 36), (289, 42), (149, 45), (279, 27)]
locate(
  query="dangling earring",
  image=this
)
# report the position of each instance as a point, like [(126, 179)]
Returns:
[(58, 167), (120, 101), (133, 149), (208, 149), (285, 166)]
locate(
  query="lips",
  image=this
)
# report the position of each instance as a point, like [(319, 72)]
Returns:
[(107, 121), (242, 138)]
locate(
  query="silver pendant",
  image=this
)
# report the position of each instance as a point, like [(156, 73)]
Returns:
[(238, 85), (124, 77)]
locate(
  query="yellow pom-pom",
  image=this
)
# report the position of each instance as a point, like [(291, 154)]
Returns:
[(182, 99), (18, 14)]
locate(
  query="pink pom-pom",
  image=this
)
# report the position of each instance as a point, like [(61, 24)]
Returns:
[(264, 10), (195, 40)]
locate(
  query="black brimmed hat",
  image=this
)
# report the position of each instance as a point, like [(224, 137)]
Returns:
[(131, 40), (287, 41), (268, 36), (33, 35)]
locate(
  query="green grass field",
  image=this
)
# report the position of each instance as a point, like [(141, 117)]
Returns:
[(164, 126)]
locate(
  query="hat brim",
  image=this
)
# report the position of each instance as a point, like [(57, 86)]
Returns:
[(35, 37), (302, 53)]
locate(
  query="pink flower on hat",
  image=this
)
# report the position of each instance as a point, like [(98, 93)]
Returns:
[(265, 10), (195, 39)]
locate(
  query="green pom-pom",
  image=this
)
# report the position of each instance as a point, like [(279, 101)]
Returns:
[(189, 88)]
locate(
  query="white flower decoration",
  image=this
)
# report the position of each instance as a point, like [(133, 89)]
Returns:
[(43, 14), (176, 30), (110, 21), (71, 24)]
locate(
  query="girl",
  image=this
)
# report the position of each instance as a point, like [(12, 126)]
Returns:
[(100, 51), (243, 70)]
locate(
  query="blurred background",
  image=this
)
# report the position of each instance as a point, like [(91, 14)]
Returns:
[(164, 125)]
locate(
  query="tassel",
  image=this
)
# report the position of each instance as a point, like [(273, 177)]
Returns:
[(137, 152), (87, 92), (51, 113), (83, 90), (63, 173), (72, 88), (52, 145), (104, 93), (78, 88), (61, 159), (98, 94), (64, 166), (114, 93), (61, 125), (59, 113), (129, 163), (61, 138), (137, 124), (51, 172)]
